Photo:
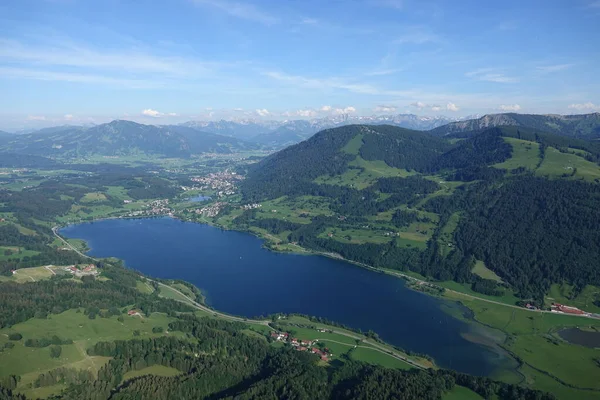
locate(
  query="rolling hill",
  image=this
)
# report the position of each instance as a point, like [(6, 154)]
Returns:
[(522, 202), (583, 126), (122, 138)]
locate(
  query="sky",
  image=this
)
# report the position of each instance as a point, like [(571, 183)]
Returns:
[(161, 62)]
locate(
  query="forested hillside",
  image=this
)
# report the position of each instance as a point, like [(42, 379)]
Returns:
[(522, 201)]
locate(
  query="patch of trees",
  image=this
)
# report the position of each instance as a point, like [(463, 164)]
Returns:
[(20, 302), (487, 286), (478, 173), (531, 231), (402, 148), (45, 342), (484, 149), (403, 218)]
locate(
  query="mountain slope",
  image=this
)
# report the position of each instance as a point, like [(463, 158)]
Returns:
[(121, 138), (586, 125), (396, 198), (330, 152)]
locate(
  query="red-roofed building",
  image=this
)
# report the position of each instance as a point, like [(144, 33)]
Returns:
[(301, 348)]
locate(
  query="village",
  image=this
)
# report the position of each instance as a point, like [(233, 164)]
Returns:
[(211, 210), (302, 345), (154, 208), (222, 182)]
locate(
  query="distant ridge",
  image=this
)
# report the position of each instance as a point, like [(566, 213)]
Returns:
[(121, 137), (582, 125)]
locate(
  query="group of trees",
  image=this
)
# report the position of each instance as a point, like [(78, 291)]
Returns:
[(20, 302), (218, 360)]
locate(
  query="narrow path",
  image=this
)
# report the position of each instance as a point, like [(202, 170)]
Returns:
[(50, 269), (69, 245), (201, 307), (378, 347)]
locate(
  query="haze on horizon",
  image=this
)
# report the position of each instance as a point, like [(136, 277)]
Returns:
[(74, 62)]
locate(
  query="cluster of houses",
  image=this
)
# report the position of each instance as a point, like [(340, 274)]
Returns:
[(251, 206), (211, 210), (222, 182), (88, 270), (156, 207), (302, 345)]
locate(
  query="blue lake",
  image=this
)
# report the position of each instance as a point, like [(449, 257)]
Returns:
[(240, 277)]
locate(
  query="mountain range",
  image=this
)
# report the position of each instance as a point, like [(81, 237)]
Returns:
[(121, 138), (125, 137), (582, 125)]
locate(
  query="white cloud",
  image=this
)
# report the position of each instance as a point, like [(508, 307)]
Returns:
[(36, 118), (334, 83), (554, 68), (509, 107), (172, 114), (68, 117), (151, 113), (238, 109), (346, 110), (435, 108), (42, 75), (452, 107), (385, 108), (67, 53), (326, 108), (589, 106), (263, 112), (241, 10), (491, 75), (419, 105), (306, 113)]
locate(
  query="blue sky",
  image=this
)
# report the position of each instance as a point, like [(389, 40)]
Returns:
[(80, 61)]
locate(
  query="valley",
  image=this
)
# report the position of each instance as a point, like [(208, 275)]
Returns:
[(390, 200)]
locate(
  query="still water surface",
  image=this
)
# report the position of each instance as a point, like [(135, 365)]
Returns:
[(240, 277)]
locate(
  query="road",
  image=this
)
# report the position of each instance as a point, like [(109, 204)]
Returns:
[(375, 347)]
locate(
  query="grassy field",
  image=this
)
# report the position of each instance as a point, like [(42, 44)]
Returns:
[(550, 363), (34, 274), (484, 272), (556, 164), (525, 154), (15, 253), (354, 145), (72, 325), (375, 357), (158, 370), (93, 197), (363, 173), (446, 238), (341, 344), (461, 393)]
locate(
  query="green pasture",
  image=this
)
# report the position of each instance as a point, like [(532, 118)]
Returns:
[(484, 272), (524, 154), (557, 164)]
